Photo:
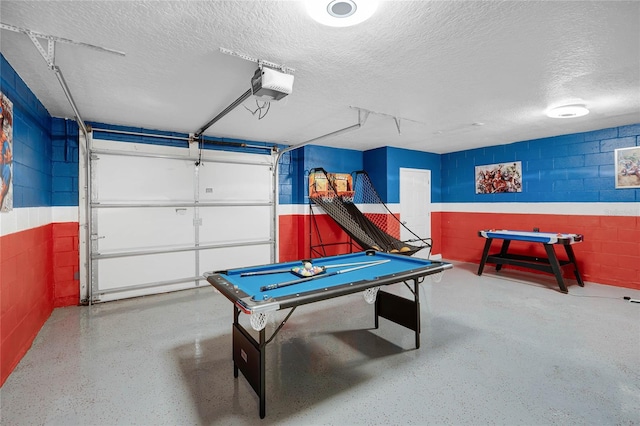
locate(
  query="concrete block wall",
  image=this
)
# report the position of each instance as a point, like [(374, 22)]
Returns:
[(26, 232), (64, 202), (568, 186), (294, 223), (297, 232)]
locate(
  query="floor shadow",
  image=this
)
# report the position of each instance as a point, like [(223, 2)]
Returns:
[(445, 332), (507, 273), (369, 344), (300, 373)]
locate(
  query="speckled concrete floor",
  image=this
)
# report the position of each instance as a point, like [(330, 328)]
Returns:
[(498, 349)]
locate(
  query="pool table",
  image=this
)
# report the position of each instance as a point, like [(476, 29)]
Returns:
[(549, 264), (259, 290)]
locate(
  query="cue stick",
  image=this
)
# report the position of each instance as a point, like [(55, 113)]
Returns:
[(275, 271), (279, 271), (302, 280), (352, 264)]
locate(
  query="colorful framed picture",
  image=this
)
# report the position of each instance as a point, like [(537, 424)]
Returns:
[(628, 167), (496, 178), (6, 153)]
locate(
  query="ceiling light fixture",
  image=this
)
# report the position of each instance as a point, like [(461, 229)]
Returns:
[(568, 111), (341, 13)]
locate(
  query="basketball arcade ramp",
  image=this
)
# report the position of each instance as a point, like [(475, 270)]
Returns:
[(337, 197)]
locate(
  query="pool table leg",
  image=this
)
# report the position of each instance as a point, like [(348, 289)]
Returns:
[(417, 311), (236, 315), (572, 259), (485, 254), (555, 266), (249, 357), (400, 310), (263, 387)]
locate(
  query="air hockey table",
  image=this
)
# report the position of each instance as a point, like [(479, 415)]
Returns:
[(548, 240), (261, 290)]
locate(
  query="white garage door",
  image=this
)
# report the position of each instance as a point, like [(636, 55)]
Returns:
[(158, 221)]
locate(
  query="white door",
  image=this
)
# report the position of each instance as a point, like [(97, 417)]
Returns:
[(415, 205)]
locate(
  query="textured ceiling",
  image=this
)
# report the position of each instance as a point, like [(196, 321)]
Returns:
[(438, 66)]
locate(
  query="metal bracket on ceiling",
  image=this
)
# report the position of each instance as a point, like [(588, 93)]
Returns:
[(395, 118), (50, 55), (260, 62), (52, 39), (361, 119), (50, 59)]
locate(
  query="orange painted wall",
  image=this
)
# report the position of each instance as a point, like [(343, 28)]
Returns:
[(37, 273), (608, 255)]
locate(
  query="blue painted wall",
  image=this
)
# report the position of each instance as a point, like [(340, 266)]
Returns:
[(570, 168), (32, 151), (64, 162), (295, 167), (375, 164), (383, 166), (397, 158)]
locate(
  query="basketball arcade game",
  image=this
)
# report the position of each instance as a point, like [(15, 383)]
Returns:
[(369, 225)]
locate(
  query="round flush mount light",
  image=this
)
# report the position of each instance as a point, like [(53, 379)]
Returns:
[(341, 13), (568, 111), (341, 8)]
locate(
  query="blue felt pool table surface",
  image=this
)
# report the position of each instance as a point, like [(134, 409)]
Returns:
[(395, 267)]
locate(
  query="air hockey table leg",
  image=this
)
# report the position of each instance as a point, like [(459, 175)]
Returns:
[(485, 254), (503, 252), (572, 259), (555, 266)]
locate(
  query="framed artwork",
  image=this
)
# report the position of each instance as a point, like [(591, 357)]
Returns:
[(6, 153), (628, 167), (496, 178)]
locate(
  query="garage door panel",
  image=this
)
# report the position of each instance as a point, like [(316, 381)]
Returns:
[(121, 178), (144, 228), (224, 258), (234, 182), (158, 221), (251, 223), (134, 292), (145, 269)]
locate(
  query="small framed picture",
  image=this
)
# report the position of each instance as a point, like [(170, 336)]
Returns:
[(628, 167)]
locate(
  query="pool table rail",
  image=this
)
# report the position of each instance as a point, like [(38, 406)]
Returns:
[(246, 303)]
